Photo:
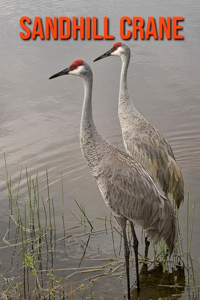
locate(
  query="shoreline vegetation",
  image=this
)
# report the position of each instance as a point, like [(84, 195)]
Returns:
[(71, 262)]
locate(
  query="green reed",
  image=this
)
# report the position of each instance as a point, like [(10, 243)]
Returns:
[(26, 215), (34, 224)]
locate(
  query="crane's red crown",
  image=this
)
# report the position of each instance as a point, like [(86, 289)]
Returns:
[(116, 46), (76, 64)]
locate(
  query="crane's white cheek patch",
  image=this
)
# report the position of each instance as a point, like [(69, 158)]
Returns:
[(76, 71), (117, 52)]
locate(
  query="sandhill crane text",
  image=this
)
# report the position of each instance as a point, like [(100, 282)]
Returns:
[(88, 28)]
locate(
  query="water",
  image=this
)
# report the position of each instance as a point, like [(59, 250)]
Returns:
[(40, 119)]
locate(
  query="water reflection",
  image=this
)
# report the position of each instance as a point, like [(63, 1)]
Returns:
[(156, 284)]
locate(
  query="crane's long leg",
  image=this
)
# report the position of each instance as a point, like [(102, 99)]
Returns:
[(135, 246), (126, 254), (147, 243)]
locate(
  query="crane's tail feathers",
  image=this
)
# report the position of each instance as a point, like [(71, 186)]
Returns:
[(176, 183), (179, 197), (164, 225)]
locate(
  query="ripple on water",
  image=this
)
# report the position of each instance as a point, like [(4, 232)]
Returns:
[(185, 142)]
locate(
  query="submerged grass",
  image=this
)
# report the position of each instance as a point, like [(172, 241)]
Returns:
[(37, 242)]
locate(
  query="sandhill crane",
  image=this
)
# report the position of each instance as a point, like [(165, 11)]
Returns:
[(126, 187), (143, 141)]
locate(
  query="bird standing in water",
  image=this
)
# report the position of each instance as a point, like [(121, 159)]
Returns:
[(142, 140), (126, 187)]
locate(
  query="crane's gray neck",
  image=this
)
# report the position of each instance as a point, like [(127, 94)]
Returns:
[(124, 70), (90, 140), (125, 103), (87, 117)]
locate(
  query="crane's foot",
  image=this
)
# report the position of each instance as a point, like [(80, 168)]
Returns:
[(147, 243)]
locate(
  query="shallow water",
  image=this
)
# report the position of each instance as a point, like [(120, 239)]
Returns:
[(40, 119)]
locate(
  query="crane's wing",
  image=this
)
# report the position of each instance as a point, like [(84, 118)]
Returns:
[(149, 147), (131, 193)]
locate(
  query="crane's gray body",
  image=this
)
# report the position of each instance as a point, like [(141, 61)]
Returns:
[(126, 187), (145, 143)]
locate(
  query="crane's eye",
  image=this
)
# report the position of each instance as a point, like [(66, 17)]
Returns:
[(116, 46), (73, 67), (76, 64)]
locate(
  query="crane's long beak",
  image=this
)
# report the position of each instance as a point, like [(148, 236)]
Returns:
[(63, 72), (108, 53)]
